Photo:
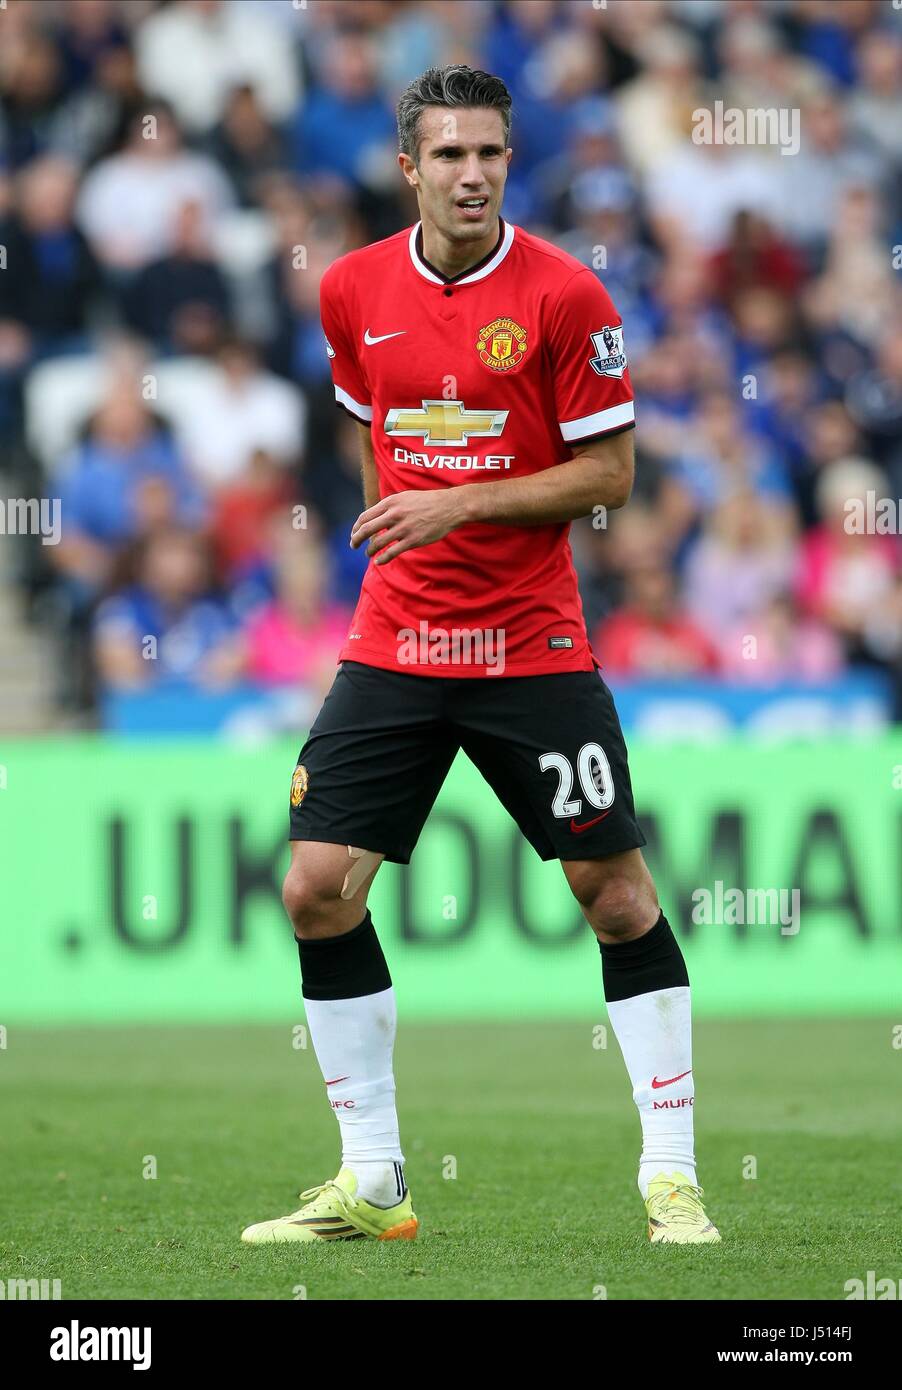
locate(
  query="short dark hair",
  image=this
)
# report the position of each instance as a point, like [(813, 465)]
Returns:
[(454, 85)]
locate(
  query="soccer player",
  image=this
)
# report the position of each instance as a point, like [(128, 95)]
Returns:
[(487, 371)]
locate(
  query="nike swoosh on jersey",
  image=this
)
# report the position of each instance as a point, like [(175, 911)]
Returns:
[(370, 340)]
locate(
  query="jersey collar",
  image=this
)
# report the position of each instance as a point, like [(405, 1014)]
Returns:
[(474, 272)]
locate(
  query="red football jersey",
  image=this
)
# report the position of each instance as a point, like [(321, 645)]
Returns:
[(494, 373)]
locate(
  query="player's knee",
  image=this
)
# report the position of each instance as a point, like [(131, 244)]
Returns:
[(621, 905), (307, 901)]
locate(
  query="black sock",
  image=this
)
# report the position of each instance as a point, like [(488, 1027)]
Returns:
[(343, 967), (650, 962)]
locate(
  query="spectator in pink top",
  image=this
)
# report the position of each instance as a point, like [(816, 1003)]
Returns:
[(779, 644), (846, 575), (744, 556), (295, 639)]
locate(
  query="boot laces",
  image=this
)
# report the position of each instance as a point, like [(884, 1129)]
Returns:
[(330, 1190), (682, 1205)]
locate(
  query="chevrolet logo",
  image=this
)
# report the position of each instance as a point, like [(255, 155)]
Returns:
[(446, 422)]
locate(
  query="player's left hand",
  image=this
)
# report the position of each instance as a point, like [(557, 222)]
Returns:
[(406, 520)]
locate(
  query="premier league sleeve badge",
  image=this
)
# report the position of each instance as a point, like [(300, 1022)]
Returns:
[(611, 357)]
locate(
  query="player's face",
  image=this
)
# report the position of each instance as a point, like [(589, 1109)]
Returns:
[(460, 171)]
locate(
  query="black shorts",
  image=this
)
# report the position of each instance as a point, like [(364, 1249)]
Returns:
[(550, 747)]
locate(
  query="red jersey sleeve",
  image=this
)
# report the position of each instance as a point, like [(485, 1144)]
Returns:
[(592, 391), (351, 389)]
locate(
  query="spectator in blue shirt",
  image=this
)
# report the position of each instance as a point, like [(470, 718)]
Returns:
[(346, 124), (169, 627), (721, 458), (125, 477)]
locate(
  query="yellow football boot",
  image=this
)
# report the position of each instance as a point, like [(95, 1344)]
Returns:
[(675, 1212), (333, 1212)]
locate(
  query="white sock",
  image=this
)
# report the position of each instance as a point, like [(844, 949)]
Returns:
[(354, 1040), (380, 1184), (655, 1036)]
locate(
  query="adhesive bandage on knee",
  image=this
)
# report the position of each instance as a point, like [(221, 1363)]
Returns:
[(365, 861)]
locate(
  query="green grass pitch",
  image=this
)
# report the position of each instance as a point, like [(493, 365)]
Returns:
[(539, 1123)]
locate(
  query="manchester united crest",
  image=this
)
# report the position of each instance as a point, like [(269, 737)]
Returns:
[(299, 785), (501, 344)]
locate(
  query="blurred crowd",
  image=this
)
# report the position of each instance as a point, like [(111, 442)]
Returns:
[(174, 179)]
